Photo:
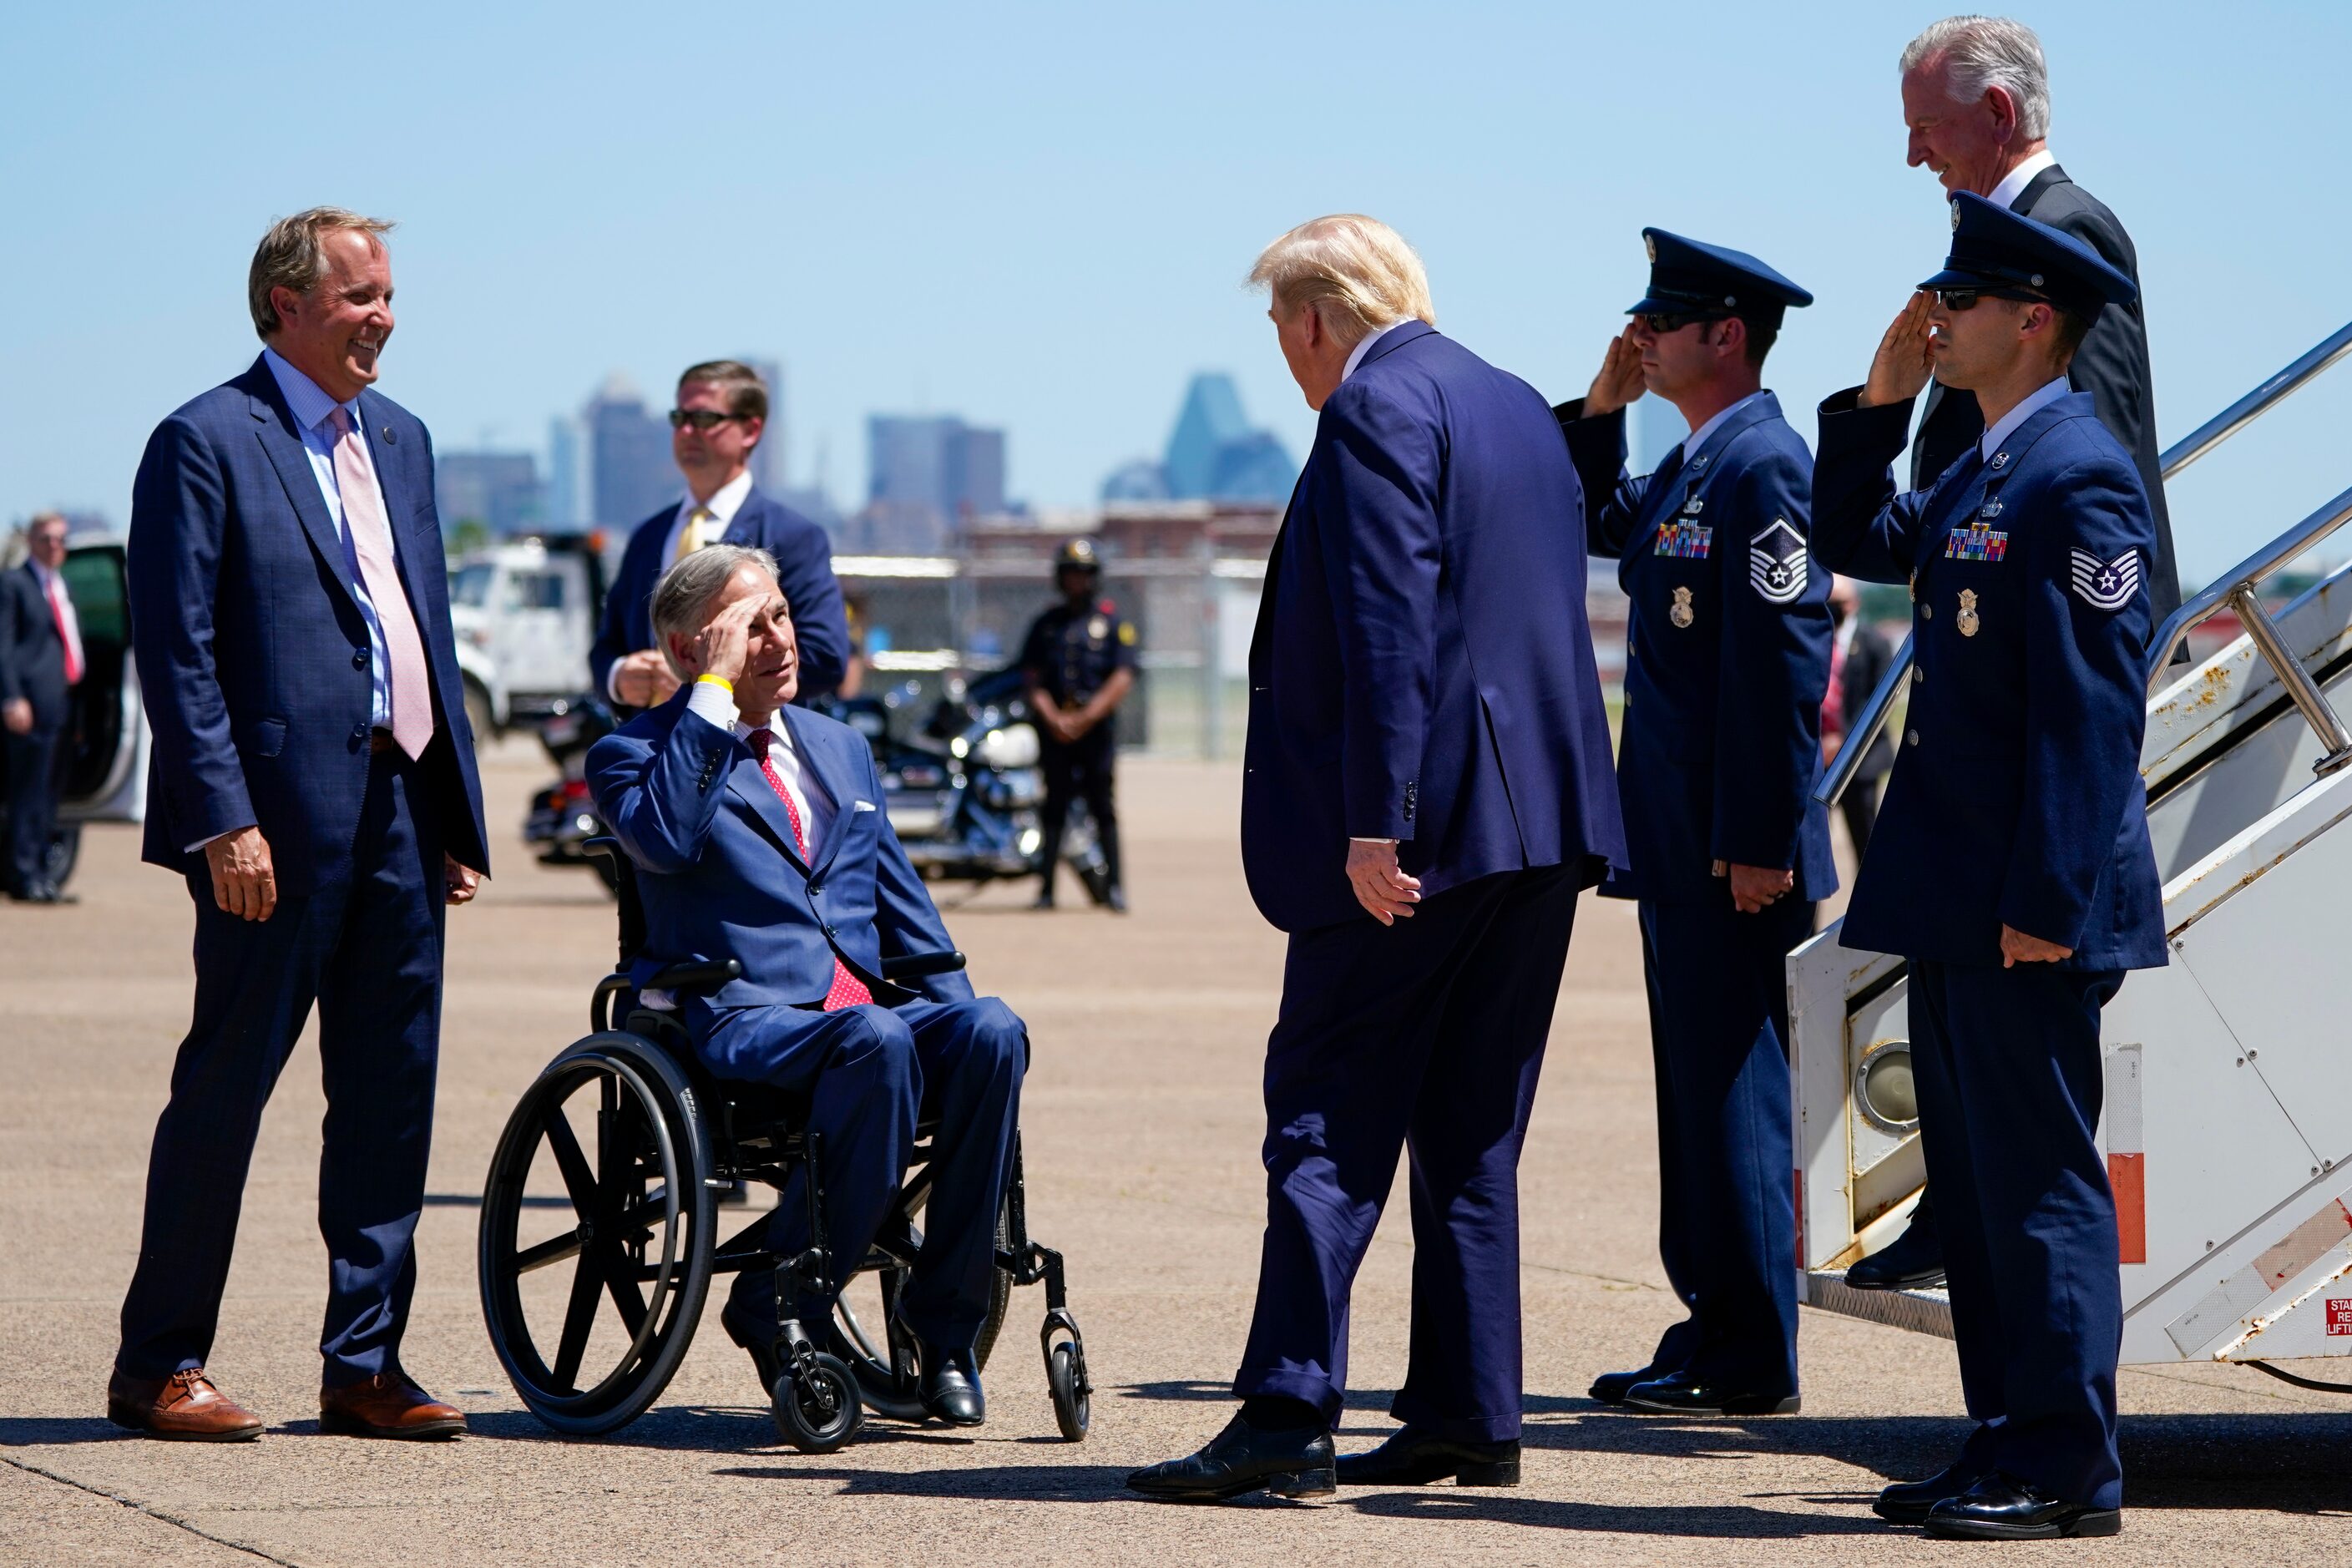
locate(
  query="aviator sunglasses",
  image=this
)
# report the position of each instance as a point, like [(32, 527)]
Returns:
[(705, 420)]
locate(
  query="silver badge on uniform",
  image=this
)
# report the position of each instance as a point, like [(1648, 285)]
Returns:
[(1098, 629), (2107, 584), (1776, 563), (1680, 615), (1966, 619)]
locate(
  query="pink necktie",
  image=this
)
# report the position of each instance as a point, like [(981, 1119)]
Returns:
[(411, 691), (66, 631), (848, 991)]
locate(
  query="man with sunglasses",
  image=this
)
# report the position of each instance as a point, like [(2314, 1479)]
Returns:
[(1727, 660), (2010, 866), (721, 413)]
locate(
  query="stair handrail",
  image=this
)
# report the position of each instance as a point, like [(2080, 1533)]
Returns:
[(2235, 589)]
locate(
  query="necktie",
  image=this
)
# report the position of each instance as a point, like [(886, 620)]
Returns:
[(689, 538), (848, 991), (68, 633), (412, 692)]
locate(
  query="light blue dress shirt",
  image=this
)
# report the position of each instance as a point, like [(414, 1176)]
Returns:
[(312, 409)]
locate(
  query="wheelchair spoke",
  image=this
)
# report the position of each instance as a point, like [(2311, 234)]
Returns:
[(564, 1144), (628, 1298), (554, 1250), (579, 1317)]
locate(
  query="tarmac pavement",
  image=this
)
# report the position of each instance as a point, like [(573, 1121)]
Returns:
[(1141, 1124)]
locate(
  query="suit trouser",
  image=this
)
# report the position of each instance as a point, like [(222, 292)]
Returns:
[(1726, 1210), (32, 804), (1084, 770), (1425, 1036), (365, 946), (871, 1073), (2009, 1075)]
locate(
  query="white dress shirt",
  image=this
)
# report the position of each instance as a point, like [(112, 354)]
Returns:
[(1364, 346), (1695, 442), (2040, 398), (724, 503), (715, 704), (2012, 184)]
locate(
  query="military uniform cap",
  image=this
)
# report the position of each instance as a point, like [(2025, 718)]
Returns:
[(1690, 277), (1078, 553), (1993, 247)]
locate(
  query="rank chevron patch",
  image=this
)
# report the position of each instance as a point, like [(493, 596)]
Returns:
[(1776, 563), (2107, 584)]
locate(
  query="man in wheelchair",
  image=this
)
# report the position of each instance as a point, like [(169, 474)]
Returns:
[(760, 835)]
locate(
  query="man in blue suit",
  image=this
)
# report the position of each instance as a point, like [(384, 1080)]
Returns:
[(313, 779), (1428, 789), (41, 664), (721, 414), (762, 833), (2011, 865), (1727, 660)]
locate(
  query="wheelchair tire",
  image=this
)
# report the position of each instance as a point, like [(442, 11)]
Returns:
[(642, 1214), (817, 1410), (1073, 1405), (999, 1289)]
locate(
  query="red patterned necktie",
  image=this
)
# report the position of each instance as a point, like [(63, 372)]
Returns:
[(848, 991)]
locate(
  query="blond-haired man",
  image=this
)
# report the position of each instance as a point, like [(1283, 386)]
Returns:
[(1429, 787)]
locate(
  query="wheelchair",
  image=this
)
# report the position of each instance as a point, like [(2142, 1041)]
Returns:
[(642, 1141)]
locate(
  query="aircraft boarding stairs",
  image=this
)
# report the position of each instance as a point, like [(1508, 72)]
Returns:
[(2228, 1113)]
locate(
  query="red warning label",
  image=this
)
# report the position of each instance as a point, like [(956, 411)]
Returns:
[(2339, 1315)]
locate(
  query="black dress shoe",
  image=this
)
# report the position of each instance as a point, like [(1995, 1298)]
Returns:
[(1907, 1502), (1679, 1394), (1611, 1387), (2002, 1507), (1912, 1261), (761, 1344), (1242, 1460), (1117, 900), (950, 1388), (1411, 1459)]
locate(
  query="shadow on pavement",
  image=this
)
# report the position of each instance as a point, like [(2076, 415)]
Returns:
[(695, 1428)]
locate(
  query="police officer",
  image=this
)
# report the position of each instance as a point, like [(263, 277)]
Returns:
[(2011, 866), (1726, 661), (1080, 662)]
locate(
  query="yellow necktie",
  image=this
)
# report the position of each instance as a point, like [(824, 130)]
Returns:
[(689, 538)]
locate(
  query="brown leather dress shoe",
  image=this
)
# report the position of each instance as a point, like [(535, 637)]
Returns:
[(184, 1407), (387, 1405)]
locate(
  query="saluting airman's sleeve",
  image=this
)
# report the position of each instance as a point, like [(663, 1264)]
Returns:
[(1775, 669), (1861, 526), (1612, 498), (2086, 633)]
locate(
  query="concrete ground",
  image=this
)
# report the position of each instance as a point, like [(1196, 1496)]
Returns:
[(1142, 1126)]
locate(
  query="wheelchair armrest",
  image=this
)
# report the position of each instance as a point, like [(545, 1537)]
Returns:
[(918, 965), (695, 979)]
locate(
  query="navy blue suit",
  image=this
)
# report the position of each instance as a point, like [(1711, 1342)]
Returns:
[(254, 663), (723, 877), (804, 553), (1727, 662), (33, 671), (1421, 672), (2016, 800)]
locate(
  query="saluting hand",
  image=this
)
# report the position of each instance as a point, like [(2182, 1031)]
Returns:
[(2017, 948), (1619, 381), (1906, 357), (723, 647), (1386, 892)]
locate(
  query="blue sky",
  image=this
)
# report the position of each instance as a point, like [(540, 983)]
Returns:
[(1038, 216)]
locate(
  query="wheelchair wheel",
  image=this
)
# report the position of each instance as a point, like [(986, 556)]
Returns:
[(603, 1167), (1073, 1401), (815, 1404)]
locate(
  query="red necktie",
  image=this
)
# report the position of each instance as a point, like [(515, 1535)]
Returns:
[(64, 631), (848, 991)]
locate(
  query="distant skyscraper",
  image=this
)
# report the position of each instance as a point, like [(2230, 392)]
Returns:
[(567, 479), (631, 474), (1657, 429), (500, 490), (768, 458), (925, 473), (1213, 454)]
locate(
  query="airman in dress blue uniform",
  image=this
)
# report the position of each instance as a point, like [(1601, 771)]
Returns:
[(2011, 866), (1727, 660)]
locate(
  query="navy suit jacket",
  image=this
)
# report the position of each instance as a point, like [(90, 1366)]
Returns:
[(722, 878), (2016, 797), (1727, 658), (1421, 668), (32, 654), (804, 553), (252, 658)]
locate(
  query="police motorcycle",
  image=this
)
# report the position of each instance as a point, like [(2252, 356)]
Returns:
[(963, 787), (564, 815)]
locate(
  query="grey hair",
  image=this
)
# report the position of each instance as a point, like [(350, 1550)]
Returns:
[(1980, 52), (682, 598), (293, 254)]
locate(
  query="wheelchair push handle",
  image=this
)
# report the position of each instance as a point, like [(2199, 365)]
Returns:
[(919, 966)]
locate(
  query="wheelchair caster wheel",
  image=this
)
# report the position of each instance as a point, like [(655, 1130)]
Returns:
[(815, 1404), (1073, 1406)]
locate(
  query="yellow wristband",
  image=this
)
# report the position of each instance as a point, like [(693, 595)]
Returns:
[(719, 681)]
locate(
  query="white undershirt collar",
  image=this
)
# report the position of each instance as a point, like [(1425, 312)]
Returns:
[(1364, 346), (2040, 398), (2012, 184)]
